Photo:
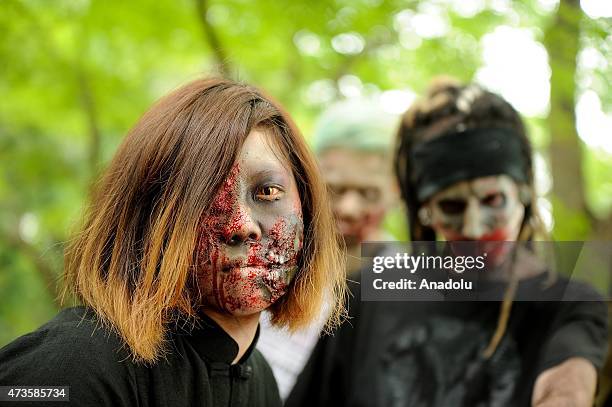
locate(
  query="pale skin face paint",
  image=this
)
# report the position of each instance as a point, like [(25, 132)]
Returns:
[(360, 185), (251, 238), (485, 209)]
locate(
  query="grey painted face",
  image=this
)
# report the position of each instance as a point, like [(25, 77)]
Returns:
[(486, 208), (361, 191)]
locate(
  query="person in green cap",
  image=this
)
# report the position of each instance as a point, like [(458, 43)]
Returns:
[(352, 140)]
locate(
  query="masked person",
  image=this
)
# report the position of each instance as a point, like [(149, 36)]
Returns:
[(211, 211), (352, 140), (465, 169)]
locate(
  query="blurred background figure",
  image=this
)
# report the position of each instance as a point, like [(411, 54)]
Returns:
[(353, 143)]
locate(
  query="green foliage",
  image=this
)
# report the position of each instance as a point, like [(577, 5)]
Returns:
[(597, 166), (396, 225), (597, 38), (569, 224)]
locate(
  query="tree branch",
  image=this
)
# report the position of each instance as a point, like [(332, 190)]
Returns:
[(562, 45), (46, 272), (89, 107), (211, 37), (85, 92)]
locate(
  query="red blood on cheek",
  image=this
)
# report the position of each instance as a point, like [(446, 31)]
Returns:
[(213, 230), (226, 197), (281, 237), (226, 217), (255, 256)]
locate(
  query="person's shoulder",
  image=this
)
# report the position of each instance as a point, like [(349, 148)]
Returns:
[(76, 350), (76, 329), (581, 291), (73, 343)]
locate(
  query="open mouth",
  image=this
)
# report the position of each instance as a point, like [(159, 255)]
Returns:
[(271, 280), (272, 275), (274, 283), (273, 262)]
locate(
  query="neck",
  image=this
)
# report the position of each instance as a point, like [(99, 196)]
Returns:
[(241, 329)]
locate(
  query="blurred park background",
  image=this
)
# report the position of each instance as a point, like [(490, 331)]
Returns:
[(76, 74)]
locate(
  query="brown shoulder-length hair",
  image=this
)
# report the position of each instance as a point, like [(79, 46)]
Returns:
[(134, 260)]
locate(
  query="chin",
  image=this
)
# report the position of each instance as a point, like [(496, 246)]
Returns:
[(245, 310), (251, 305)]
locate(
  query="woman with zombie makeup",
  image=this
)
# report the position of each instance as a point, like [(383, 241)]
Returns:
[(464, 165), (211, 211)]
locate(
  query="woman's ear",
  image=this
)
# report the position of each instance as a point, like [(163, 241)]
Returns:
[(424, 215)]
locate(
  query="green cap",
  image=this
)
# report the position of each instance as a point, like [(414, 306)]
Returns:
[(356, 124)]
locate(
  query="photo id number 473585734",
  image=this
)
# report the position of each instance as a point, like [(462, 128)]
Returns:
[(34, 393)]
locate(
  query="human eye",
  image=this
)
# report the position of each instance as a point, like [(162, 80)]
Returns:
[(370, 194), (495, 200), (452, 206), (269, 193)]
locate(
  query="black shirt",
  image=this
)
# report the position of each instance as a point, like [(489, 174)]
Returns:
[(430, 354), (74, 350)]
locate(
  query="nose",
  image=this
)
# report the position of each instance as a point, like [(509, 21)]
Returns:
[(348, 205), (473, 223), (242, 227)]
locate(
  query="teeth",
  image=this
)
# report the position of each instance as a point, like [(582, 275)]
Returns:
[(273, 275), (276, 258)]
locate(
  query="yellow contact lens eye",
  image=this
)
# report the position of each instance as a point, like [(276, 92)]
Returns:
[(269, 193)]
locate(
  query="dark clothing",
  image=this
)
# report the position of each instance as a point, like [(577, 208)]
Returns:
[(74, 350), (430, 354)]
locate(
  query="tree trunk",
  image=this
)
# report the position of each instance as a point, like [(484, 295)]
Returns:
[(569, 203)]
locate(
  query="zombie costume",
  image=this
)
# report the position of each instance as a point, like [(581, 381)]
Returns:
[(74, 350), (430, 353)]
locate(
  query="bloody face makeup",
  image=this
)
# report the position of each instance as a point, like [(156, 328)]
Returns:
[(251, 238), (359, 181)]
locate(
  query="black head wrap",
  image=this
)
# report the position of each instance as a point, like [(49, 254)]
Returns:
[(473, 153)]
